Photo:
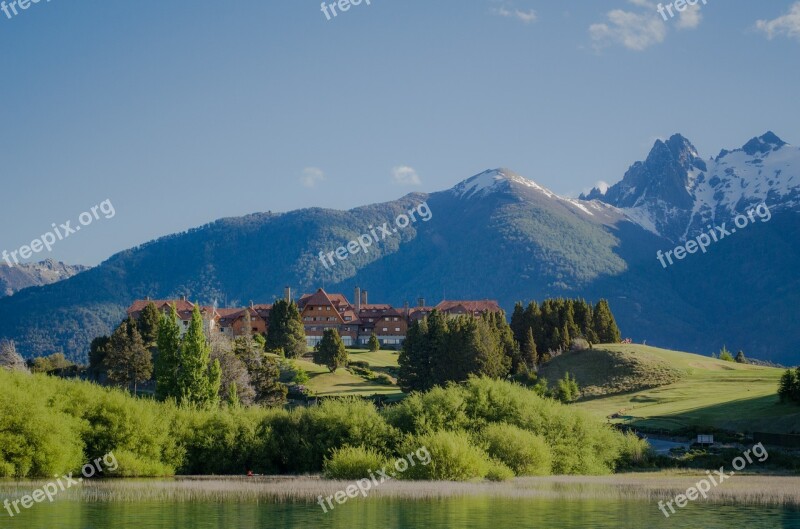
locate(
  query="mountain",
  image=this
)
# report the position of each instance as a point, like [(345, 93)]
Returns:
[(675, 193), (495, 235), (14, 279)]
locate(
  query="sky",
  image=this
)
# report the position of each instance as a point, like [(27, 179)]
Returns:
[(182, 112)]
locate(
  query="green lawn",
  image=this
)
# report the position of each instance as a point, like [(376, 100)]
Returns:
[(710, 393), (342, 382)]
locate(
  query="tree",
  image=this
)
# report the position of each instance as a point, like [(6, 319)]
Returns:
[(267, 385), (167, 366), (285, 330), (51, 363), (415, 372), (740, 359), (148, 323), (605, 326), (528, 349), (374, 344), (128, 361), (97, 356), (198, 378), (567, 390), (233, 397), (725, 355), (234, 371), (9, 357), (330, 351), (438, 350), (786, 385)]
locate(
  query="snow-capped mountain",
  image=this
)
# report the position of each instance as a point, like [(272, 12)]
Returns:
[(675, 193), (496, 235)]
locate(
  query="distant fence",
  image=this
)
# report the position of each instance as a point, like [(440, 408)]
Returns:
[(777, 439)]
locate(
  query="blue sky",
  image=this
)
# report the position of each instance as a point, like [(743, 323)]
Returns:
[(183, 112)]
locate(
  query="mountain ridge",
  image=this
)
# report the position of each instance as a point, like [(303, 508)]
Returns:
[(494, 235)]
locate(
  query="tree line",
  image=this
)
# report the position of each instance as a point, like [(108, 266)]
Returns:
[(441, 349), (198, 369)]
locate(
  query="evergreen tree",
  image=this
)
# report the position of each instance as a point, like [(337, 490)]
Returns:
[(97, 356), (740, 359), (168, 361), (415, 372), (374, 344), (787, 385), (285, 330), (567, 390), (128, 361), (266, 381), (529, 354), (330, 351), (725, 355), (148, 323), (566, 341), (198, 380), (518, 324), (605, 326)]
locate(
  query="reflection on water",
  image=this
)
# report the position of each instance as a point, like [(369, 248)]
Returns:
[(466, 513)]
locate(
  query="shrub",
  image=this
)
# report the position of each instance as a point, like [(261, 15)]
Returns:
[(358, 363), (525, 453), (353, 462), (499, 471), (453, 457)]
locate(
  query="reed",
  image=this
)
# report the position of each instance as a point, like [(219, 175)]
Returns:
[(766, 490)]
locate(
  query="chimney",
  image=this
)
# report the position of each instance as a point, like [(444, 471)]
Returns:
[(251, 303), (287, 293), (357, 296), (405, 308), (420, 302), (364, 298), (183, 298)]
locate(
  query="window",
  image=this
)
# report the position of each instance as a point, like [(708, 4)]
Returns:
[(395, 319), (328, 308), (385, 329), (313, 328), (347, 318), (397, 329)]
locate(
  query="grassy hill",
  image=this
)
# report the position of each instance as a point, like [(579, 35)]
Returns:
[(602, 372), (343, 382), (707, 393)]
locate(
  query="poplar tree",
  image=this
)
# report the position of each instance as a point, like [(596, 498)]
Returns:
[(168, 362), (198, 380)]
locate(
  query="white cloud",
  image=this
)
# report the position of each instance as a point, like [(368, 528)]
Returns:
[(690, 18), (602, 185), (311, 176), (405, 175), (635, 31), (787, 25), (524, 16)]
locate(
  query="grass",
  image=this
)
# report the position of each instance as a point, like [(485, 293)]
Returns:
[(601, 372), (653, 486), (710, 394), (324, 383)]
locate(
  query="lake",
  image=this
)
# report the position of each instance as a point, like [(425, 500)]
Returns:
[(87, 510)]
